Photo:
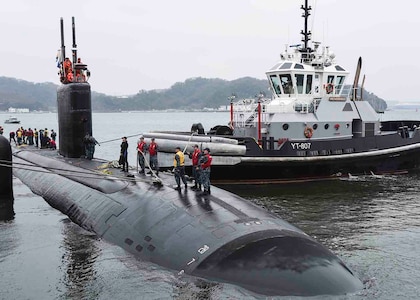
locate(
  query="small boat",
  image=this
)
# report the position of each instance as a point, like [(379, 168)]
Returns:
[(12, 120), (314, 127)]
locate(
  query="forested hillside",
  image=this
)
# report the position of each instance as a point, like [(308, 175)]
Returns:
[(194, 93)]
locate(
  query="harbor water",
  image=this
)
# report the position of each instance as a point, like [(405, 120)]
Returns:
[(371, 222)]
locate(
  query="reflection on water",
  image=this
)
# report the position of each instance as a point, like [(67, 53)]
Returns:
[(80, 254), (9, 239), (341, 213)]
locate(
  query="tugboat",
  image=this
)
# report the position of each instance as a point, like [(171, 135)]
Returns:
[(12, 120), (220, 237), (313, 127)]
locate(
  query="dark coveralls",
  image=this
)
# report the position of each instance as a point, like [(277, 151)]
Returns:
[(142, 149), (153, 156), (205, 163), (124, 155), (90, 143), (196, 170)]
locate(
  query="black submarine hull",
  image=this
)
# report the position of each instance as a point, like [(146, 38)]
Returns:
[(6, 185), (221, 237)]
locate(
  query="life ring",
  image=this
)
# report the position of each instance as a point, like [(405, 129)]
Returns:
[(308, 132), (329, 88), (281, 141)]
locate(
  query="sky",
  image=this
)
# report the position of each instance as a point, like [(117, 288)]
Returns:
[(144, 45)]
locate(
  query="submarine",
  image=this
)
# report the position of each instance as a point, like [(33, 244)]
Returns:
[(219, 237)]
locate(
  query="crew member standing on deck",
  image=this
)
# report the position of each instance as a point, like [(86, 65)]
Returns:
[(141, 151), (90, 143), (53, 135), (12, 135), (36, 134), (124, 154), (179, 168), (153, 154), (30, 135), (195, 156), (19, 133), (205, 163)]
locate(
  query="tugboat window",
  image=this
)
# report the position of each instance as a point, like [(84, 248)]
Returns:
[(276, 84), (315, 126), (299, 82), (286, 82), (316, 83), (285, 126), (339, 84), (276, 66), (299, 67), (285, 66), (309, 84), (326, 126), (338, 68), (330, 79)]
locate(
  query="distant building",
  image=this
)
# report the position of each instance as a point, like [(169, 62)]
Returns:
[(18, 110)]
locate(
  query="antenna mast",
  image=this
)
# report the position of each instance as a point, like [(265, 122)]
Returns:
[(74, 49), (306, 33), (62, 51)]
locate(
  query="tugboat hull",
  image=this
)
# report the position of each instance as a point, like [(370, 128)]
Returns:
[(310, 160)]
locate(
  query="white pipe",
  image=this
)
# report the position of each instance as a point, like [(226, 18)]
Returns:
[(193, 138)]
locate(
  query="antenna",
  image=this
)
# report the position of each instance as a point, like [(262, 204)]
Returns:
[(306, 33), (74, 49), (63, 51)]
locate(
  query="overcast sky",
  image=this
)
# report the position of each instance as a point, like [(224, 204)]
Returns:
[(138, 44)]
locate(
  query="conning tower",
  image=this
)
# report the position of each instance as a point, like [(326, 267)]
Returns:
[(73, 100)]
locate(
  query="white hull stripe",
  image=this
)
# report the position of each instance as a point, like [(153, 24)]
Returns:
[(395, 151)]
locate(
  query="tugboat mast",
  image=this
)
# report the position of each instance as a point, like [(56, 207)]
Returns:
[(306, 34)]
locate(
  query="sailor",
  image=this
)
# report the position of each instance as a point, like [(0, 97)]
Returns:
[(41, 138), (195, 156), (68, 70), (179, 169), (80, 76), (124, 154), (44, 138), (205, 163), (19, 134), (153, 152), (53, 134), (36, 134), (51, 143), (12, 135), (90, 143), (141, 152), (30, 135)]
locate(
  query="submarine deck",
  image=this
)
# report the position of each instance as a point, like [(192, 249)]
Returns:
[(106, 177)]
